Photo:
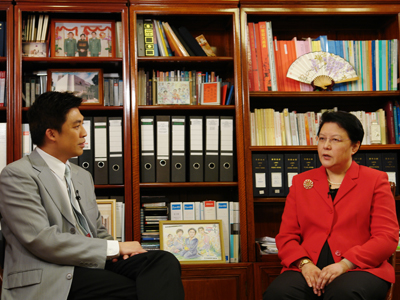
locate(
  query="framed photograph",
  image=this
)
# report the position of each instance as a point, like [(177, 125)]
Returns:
[(33, 49), (173, 92), (84, 83), (75, 38), (107, 208), (193, 241)]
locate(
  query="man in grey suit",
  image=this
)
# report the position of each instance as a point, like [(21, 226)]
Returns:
[(47, 255)]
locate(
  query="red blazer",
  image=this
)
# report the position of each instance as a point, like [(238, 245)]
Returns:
[(360, 225)]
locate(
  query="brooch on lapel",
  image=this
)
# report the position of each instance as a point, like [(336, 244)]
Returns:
[(308, 184)]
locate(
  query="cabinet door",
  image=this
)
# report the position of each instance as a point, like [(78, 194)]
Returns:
[(264, 274), (218, 282)]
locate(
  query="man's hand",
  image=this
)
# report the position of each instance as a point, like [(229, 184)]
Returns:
[(128, 249), (311, 274), (330, 272)]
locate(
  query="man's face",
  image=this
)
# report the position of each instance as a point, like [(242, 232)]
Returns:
[(70, 35), (82, 37), (71, 140), (93, 35)]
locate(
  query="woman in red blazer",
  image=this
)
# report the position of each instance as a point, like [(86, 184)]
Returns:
[(339, 225)]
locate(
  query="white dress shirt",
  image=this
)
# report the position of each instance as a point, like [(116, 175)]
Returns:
[(58, 169)]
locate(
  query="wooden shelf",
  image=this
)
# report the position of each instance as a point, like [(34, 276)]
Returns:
[(334, 94), (178, 59), (314, 148), (69, 60), (186, 107), (187, 184)]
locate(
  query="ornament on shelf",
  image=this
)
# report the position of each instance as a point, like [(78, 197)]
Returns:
[(322, 70)]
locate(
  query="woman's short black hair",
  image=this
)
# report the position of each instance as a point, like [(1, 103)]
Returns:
[(345, 120)]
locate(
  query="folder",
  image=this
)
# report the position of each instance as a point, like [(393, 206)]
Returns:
[(147, 158), (211, 160), (390, 166), (188, 211), (115, 161), (100, 150), (178, 157), (275, 175), (163, 167), (260, 173), (292, 168), (226, 149), (196, 149), (86, 159), (308, 161)]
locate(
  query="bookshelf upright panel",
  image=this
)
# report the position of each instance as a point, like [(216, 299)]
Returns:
[(27, 67)]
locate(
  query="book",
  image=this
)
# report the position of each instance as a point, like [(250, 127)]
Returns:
[(205, 45), (191, 42)]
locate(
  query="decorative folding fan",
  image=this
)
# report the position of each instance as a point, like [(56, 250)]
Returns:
[(321, 69)]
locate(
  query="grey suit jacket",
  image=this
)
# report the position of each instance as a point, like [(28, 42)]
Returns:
[(43, 245)]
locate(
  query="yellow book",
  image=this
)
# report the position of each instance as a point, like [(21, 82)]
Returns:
[(315, 46), (162, 38), (270, 127)]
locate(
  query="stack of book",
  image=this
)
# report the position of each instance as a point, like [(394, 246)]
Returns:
[(157, 38), (183, 87), (34, 28), (273, 128), (375, 61), (154, 209)]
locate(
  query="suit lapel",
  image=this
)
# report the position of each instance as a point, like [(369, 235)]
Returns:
[(348, 182), (49, 181), (321, 185)]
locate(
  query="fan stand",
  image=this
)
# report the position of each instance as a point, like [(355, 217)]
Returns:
[(323, 89)]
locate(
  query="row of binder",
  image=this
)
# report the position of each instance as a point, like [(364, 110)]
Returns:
[(187, 149), (103, 152)]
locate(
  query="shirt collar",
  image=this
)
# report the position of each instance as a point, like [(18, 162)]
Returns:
[(55, 165)]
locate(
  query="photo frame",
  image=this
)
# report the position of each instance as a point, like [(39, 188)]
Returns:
[(33, 49), (82, 38), (193, 241), (84, 83), (107, 208)]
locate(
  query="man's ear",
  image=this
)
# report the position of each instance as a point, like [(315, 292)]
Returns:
[(51, 134)]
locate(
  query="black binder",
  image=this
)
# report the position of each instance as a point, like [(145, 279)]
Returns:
[(115, 160), (308, 161), (276, 184), (147, 152), (360, 158), (211, 158), (373, 160), (260, 175), (163, 166), (196, 149), (100, 150), (226, 161), (292, 168), (389, 165), (178, 149)]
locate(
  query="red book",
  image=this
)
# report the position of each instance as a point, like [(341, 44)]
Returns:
[(391, 139), (224, 88), (284, 54), (278, 65), (249, 63), (252, 40), (265, 57), (259, 57)]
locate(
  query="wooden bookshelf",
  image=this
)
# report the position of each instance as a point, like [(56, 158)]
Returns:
[(339, 20), (76, 10), (6, 64), (219, 22)]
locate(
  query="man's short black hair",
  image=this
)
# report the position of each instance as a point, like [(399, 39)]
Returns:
[(49, 111)]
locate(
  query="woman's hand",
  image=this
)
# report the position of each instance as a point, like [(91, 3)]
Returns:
[(329, 273), (311, 274)]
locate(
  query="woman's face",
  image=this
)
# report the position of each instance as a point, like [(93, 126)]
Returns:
[(335, 148)]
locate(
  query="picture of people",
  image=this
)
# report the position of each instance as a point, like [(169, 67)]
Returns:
[(83, 39), (84, 84), (173, 92), (83, 46), (197, 241)]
